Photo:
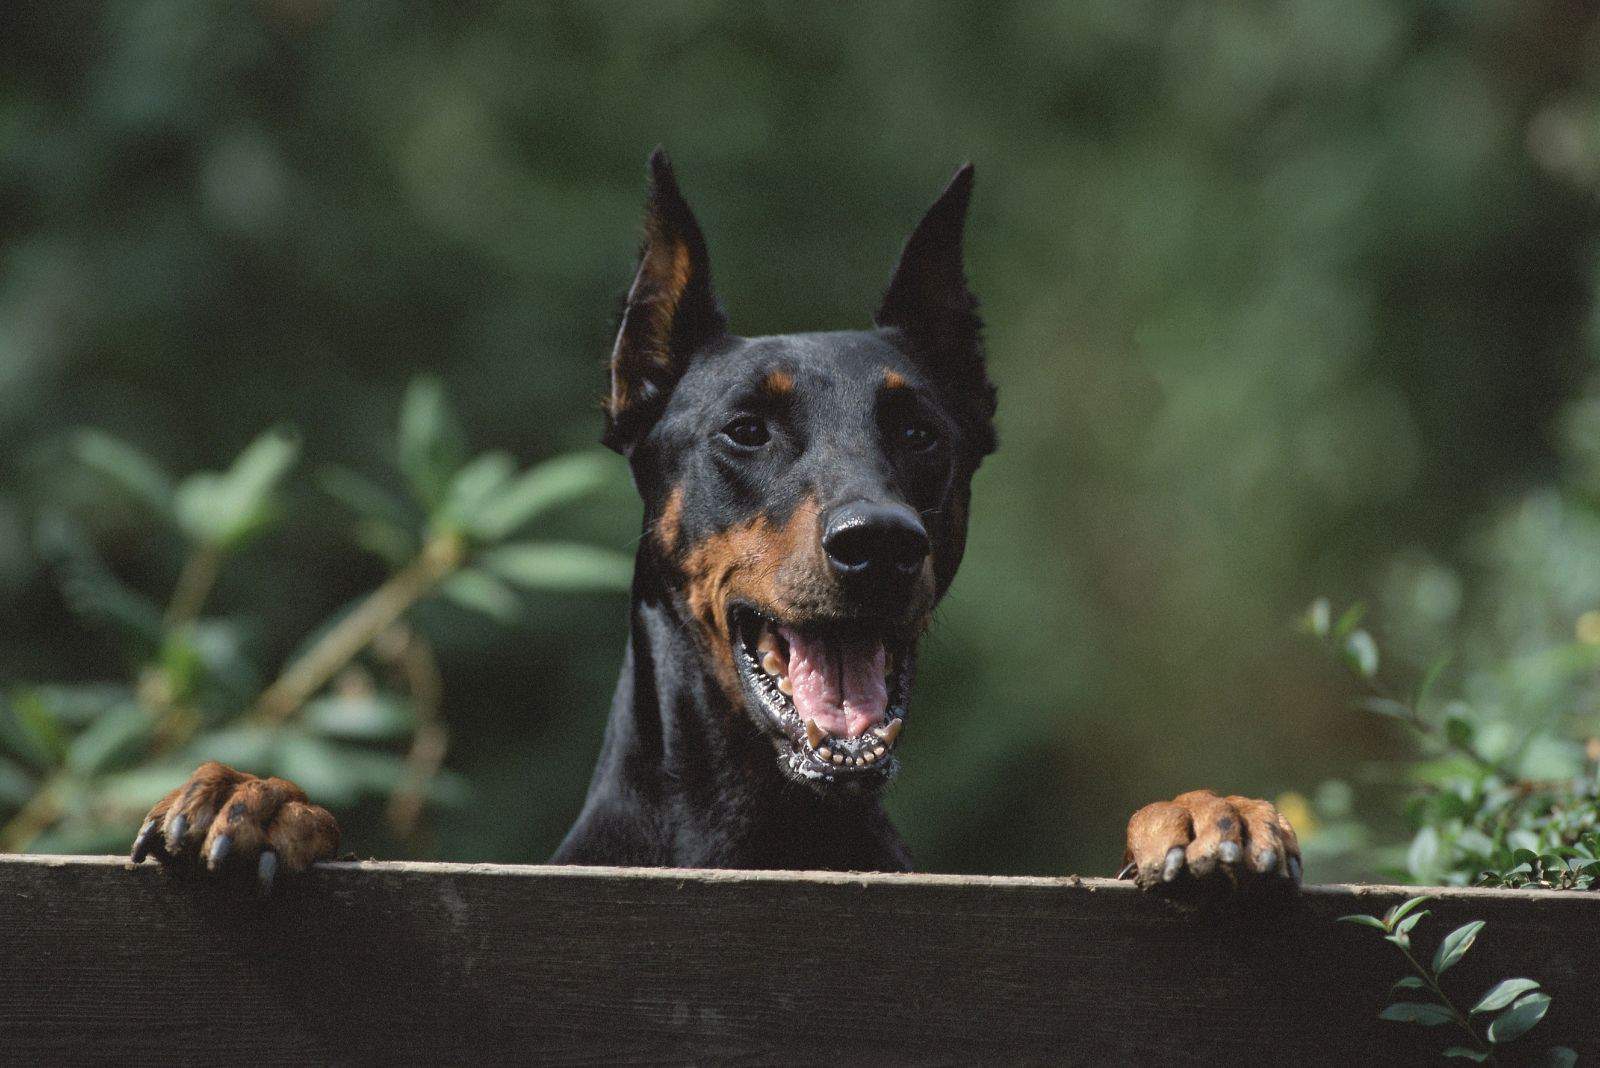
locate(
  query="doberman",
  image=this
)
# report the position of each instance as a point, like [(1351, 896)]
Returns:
[(806, 501)]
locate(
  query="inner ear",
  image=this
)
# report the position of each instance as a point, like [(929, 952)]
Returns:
[(929, 303), (671, 311)]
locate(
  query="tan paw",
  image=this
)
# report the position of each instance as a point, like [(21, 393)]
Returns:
[(1200, 837), (232, 819)]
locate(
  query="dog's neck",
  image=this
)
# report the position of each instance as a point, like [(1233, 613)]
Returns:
[(687, 780)]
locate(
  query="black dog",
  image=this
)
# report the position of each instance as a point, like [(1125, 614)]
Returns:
[(806, 501)]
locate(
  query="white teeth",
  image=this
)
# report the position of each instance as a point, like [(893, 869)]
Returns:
[(814, 734), (772, 664), (878, 752), (824, 753), (889, 731), (783, 684), (768, 642), (870, 757), (837, 758)]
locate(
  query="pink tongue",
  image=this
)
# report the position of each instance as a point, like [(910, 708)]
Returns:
[(839, 685)]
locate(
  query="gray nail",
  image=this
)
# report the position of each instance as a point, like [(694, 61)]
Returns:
[(219, 850), (1228, 852), (267, 870), (141, 841), (1173, 865), (177, 827), (1295, 870), (1268, 861)]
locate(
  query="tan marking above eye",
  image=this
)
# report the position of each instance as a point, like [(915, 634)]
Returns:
[(778, 383)]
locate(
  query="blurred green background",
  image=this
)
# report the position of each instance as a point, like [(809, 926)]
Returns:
[(1284, 299)]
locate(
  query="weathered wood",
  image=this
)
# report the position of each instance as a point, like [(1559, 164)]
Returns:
[(403, 963)]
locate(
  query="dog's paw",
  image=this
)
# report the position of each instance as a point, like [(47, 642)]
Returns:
[(232, 820), (1199, 838)]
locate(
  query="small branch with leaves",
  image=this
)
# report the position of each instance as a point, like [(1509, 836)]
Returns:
[(1505, 1013)]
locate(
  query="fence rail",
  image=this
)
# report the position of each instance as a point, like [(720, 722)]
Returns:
[(448, 963)]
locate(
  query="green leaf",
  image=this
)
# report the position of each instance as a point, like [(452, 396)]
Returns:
[(480, 591), (1365, 921), (432, 443), (137, 475), (1408, 982), (473, 487), (1558, 1057), (114, 739), (1469, 1054), (373, 717), (1519, 1018), (1504, 993), (1455, 946), (539, 490), (1361, 653), (1405, 925), (1418, 1012), (560, 566), (226, 510), (1399, 911)]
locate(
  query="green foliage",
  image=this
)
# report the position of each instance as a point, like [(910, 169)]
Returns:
[(347, 717), (1482, 810), (1516, 1003)]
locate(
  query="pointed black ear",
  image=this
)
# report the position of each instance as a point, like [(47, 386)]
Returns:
[(671, 311), (929, 303)]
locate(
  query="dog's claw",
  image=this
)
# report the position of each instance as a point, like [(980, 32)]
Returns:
[(1267, 862), (1173, 865), (143, 841), (267, 870), (219, 851), (175, 833), (1296, 870), (1228, 852)]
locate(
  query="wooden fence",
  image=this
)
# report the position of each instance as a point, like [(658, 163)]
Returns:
[(385, 963)]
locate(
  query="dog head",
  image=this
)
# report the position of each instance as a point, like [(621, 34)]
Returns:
[(805, 494)]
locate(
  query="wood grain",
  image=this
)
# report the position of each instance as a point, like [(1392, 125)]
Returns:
[(385, 963)]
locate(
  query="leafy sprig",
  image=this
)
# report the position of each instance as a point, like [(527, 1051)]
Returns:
[(1504, 1014)]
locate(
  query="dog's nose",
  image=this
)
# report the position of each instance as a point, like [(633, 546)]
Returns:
[(874, 543)]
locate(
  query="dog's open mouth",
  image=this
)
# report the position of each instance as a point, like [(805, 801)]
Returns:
[(837, 696)]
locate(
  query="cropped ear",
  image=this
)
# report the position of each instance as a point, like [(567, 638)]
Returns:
[(929, 303), (670, 312)]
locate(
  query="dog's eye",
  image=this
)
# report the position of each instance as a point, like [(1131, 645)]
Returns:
[(919, 435), (747, 432)]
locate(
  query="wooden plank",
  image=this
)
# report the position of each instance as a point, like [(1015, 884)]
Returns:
[(401, 963)]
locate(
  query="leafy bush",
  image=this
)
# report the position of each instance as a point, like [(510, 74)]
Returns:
[(1497, 801), (355, 714)]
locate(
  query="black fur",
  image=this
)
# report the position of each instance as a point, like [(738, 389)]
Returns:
[(690, 774)]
